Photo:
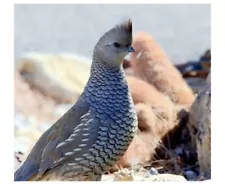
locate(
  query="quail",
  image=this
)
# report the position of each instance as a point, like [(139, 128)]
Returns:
[(95, 133)]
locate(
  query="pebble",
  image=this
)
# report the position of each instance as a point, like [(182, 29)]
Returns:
[(166, 177), (190, 175), (153, 171)]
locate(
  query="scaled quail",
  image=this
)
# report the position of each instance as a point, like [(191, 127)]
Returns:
[(95, 133)]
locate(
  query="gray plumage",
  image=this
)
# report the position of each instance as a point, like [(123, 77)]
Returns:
[(95, 133)]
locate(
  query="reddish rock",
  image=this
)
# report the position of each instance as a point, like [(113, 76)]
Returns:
[(150, 63)]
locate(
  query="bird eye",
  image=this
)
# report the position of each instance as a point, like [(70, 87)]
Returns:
[(116, 44)]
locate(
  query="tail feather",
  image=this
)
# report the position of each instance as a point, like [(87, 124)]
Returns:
[(26, 171)]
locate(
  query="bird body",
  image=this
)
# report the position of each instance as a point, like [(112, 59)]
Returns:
[(95, 133)]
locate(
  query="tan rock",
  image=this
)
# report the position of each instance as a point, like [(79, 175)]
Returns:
[(60, 76), (140, 175), (151, 64), (166, 177), (200, 127)]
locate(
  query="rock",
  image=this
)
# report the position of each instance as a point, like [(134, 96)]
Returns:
[(199, 125), (166, 177), (153, 171), (199, 69), (141, 175), (60, 76), (151, 64), (39, 106), (107, 177), (190, 175), (205, 61), (195, 72), (189, 69), (208, 79), (124, 175)]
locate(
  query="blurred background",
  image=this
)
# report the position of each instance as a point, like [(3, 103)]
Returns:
[(54, 45), (182, 30)]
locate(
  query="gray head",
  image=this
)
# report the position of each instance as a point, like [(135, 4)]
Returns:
[(114, 45)]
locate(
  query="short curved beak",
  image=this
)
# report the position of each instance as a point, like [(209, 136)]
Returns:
[(130, 49)]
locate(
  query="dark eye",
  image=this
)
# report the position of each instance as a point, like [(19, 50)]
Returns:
[(116, 44)]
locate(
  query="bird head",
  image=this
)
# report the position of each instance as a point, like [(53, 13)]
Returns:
[(115, 44)]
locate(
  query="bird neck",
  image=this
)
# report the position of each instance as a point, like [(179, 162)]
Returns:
[(108, 88), (102, 74), (107, 80)]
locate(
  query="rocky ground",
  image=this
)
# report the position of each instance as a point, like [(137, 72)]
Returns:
[(41, 98)]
